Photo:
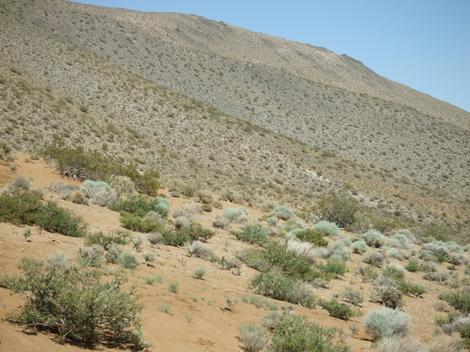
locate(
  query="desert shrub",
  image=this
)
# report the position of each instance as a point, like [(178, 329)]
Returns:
[(105, 241), (352, 296), (387, 292), (300, 248), (78, 197), (255, 258), (339, 208), (78, 306), (412, 289), (337, 309), (113, 253), (175, 238), (374, 238), (252, 233), (235, 214), (220, 222), (154, 238), (253, 337), (359, 246), (64, 190), (200, 250), (128, 261), (199, 273), (122, 185), (387, 322), (140, 205), (326, 228), (312, 236), (182, 222), (198, 232), (413, 266), (339, 250), (91, 256), (272, 220), (58, 262), (368, 273), (438, 276), (136, 223), (394, 272), (18, 184), (334, 267), (460, 325), (81, 165), (27, 208), (402, 239), (459, 300), (5, 151), (399, 344), (98, 192), (293, 333), (276, 285), (376, 259), (284, 213)]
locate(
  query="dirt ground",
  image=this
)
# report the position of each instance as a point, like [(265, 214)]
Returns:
[(197, 320)]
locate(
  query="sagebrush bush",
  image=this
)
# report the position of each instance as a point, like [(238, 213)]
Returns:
[(359, 246), (374, 238), (91, 256), (339, 208), (113, 253), (337, 309), (235, 214), (439, 276), (352, 296), (301, 249), (293, 333), (199, 273), (376, 259), (388, 292), (387, 322), (27, 208), (253, 337), (200, 250), (220, 222), (18, 184), (128, 261), (78, 306), (98, 192), (106, 241), (326, 228), (399, 344), (175, 238), (284, 213), (252, 233)]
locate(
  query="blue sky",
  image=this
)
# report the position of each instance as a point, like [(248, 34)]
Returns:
[(424, 44)]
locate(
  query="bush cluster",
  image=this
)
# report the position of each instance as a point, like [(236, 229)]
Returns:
[(387, 322), (29, 209), (339, 208), (252, 233), (78, 306)]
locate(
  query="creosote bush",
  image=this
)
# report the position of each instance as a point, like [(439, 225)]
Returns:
[(28, 208), (78, 306)]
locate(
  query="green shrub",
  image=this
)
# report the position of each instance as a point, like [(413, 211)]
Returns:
[(197, 232), (5, 151), (458, 300), (128, 261), (199, 273), (81, 165), (326, 228), (142, 205), (27, 208), (339, 208), (255, 258), (413, 266), (395, 273), (253, 337), (337, 309), (412, 289), (312, 236), (276, 285), (175, 238), (293, 333), (334, 267), (105, 241), (386, 322), (139, 224), (78, 306), (252, 233)]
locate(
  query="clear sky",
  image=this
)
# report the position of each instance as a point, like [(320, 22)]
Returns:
[(424, 44)]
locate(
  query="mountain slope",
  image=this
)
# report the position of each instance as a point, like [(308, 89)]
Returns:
[(312, 125)]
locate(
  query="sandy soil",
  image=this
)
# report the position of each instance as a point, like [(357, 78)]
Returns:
[(197, 320)]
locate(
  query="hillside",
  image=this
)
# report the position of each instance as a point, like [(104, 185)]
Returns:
[(184, 312)]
